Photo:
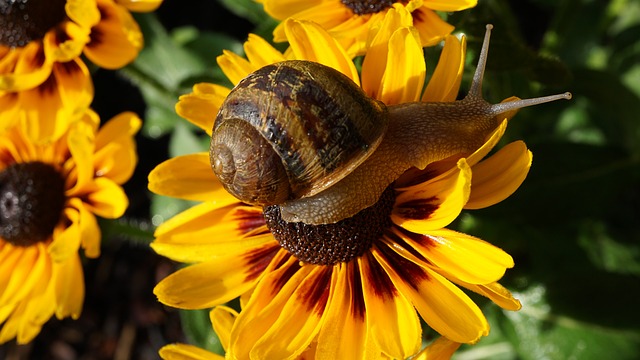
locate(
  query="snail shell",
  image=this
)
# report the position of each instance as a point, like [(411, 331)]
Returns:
[(291, 130)]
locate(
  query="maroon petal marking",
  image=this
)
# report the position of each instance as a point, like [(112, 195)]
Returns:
[(424, 240), (292, 268), (248, 220), (358, 306), (316, 296), (258, 260), (417, 209), (408, 271), (48, 87)]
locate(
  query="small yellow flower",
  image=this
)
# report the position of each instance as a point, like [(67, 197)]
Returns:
[(50, 195), (43, 79), (349, 21), (353, 287)]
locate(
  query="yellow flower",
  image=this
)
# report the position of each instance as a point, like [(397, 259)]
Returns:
[(49, 197), (43, 79), (349, 21), (352, 287)]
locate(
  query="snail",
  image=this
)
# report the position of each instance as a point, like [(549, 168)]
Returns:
[(303, 136)]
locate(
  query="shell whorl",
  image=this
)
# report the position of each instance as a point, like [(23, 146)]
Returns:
[(315, 120)]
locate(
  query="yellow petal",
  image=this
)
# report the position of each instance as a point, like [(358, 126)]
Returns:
[(346, 318), (433, 204), (430, 26), (404, 78), (187, 177), (440, 349), (282, 277), (201, 106), (186, 352), (125, 124), (374, 65), (66, 43), (80, 140), (29, 69), (178, 248), (107, 199), (69, 287), (196, 218), (445, 81), (234, 67), (66, 240), (116, 39), (282, 9), (460, 256), (29, 270), (222, 318), (140, 5), (309, 41), (260, 53), (327, 14), (83, 12), (115, 155), (392, 318), (89, 229), (496, 293), (443, 306), (75, 86), (499, 176), (450, 5), (208, 284), (299, 319)]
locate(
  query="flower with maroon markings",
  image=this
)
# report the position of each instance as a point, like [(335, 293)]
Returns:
[(43, 79), (306, 288), (349, 21), (50, 195)]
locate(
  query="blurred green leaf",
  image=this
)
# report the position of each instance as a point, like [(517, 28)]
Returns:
[(162, 59), (539, 332), (197, 328), (608, 253), (614, 108), (163, 208), (132, 230), (248, 9), (186, 141)]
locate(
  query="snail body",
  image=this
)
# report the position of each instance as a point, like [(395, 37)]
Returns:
[(303, 136)]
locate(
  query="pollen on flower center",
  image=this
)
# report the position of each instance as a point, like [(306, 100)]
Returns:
[(330, 244), (363, 7), (31, 202), (22, 21)]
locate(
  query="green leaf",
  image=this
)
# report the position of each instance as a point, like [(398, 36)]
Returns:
[(162, 59), (185, 141), (163, 208), (614, 107), (132, 230), (248, 9), (607, 252), (539, 331), (197, 327)]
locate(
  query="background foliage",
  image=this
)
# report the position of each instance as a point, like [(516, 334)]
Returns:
[(572, 227)]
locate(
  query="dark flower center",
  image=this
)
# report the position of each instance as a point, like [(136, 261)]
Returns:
[(330, 244), (363, 7), (31, 202), (22, 21)]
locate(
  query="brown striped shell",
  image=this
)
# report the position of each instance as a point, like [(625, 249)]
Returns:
[(293, 129)]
